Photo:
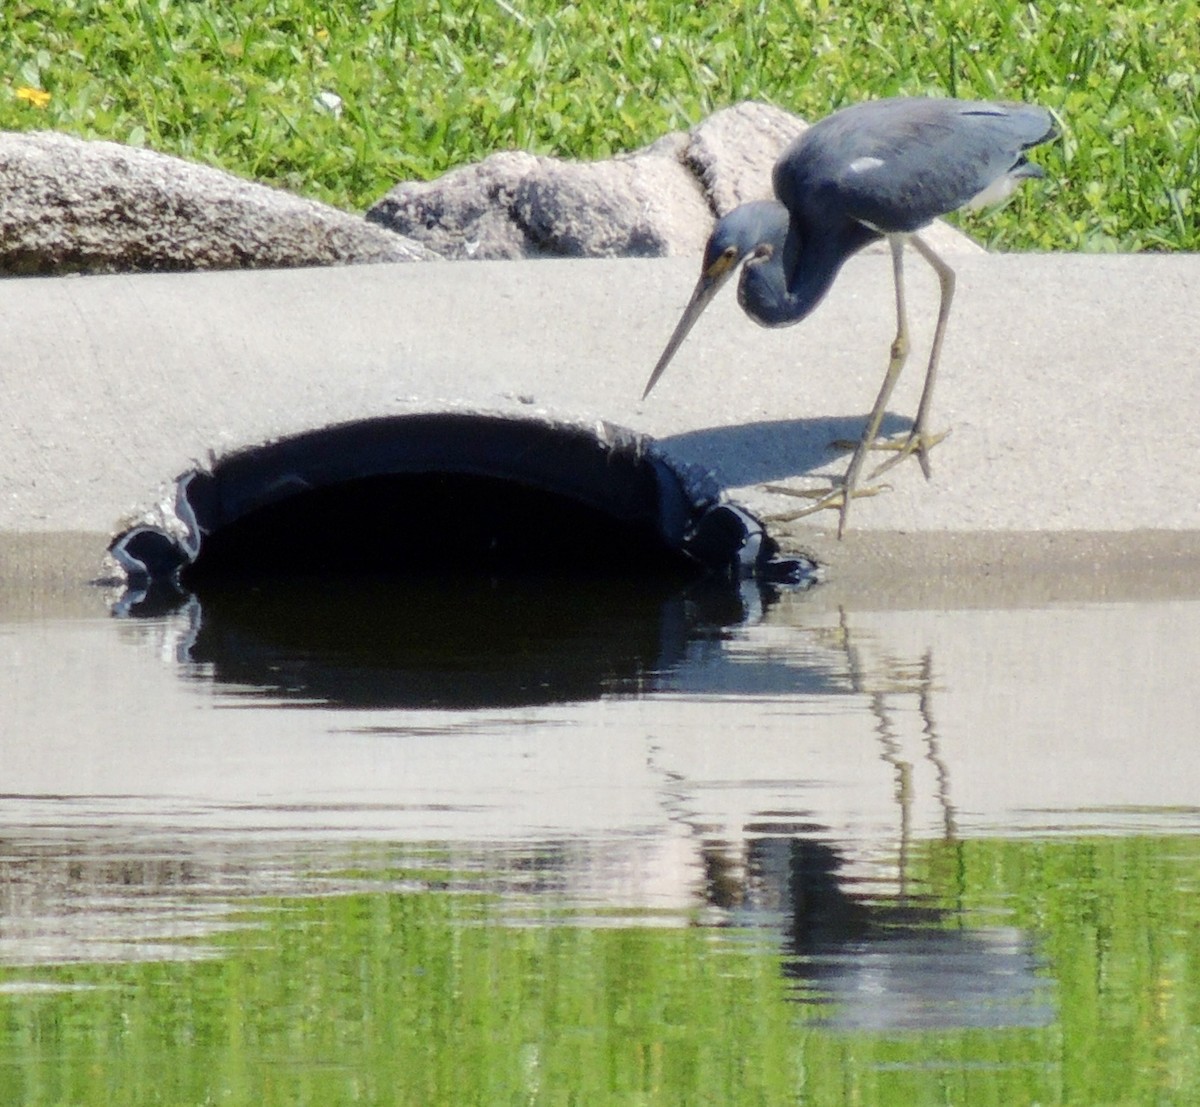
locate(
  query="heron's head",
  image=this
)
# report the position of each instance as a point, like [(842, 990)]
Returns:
[(753, 233)]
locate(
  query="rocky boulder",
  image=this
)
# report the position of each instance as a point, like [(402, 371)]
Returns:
[(653, 202), (516, 205), (72, 205)]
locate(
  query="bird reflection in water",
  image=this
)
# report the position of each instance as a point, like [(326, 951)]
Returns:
[(866, 944)]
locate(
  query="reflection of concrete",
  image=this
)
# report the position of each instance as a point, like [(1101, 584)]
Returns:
[(124, 897), (884, 727)]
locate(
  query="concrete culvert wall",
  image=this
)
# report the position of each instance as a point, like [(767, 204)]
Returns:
[(445, 491)]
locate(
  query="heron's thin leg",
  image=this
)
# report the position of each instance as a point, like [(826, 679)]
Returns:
[(946, 281), (919, 440), (841, 496), (898, 358)]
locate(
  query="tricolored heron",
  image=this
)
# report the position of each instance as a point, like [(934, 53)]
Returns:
[(881, 169)]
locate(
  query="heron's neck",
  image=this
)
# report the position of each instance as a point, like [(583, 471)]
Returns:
[(787, 286)]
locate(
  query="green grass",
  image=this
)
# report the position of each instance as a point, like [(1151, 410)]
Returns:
[(427, 85)]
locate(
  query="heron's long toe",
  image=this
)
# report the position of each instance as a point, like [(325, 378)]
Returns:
[(904, 443), (917, 443), (833, 499)]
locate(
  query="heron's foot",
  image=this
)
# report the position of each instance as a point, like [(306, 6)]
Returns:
[(917, 443), (903, 446), (833, 499)]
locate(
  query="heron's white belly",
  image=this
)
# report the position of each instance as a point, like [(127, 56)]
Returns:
[(999, 190)]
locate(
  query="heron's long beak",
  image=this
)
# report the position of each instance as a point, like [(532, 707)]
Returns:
[(706, 288)]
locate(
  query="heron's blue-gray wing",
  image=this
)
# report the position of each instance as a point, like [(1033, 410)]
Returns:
[(895, 165)]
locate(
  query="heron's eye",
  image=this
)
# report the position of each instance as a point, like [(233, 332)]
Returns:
[(724, 262), (763, 251)]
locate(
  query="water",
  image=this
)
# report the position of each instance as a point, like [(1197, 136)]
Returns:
[(540, 842)]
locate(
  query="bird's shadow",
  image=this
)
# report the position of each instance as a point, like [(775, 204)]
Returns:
[(750, 453)]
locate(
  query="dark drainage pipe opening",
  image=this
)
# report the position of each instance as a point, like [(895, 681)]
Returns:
[(449, 492), (437, 522)]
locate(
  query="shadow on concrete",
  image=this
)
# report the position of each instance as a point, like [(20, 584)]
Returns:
[(749, 453)]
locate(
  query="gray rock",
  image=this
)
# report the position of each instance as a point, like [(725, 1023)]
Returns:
[(517, 205), (659, 201), (733, 151), (71, 205)]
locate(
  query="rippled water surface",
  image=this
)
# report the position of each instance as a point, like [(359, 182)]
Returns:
[(537, 842)]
